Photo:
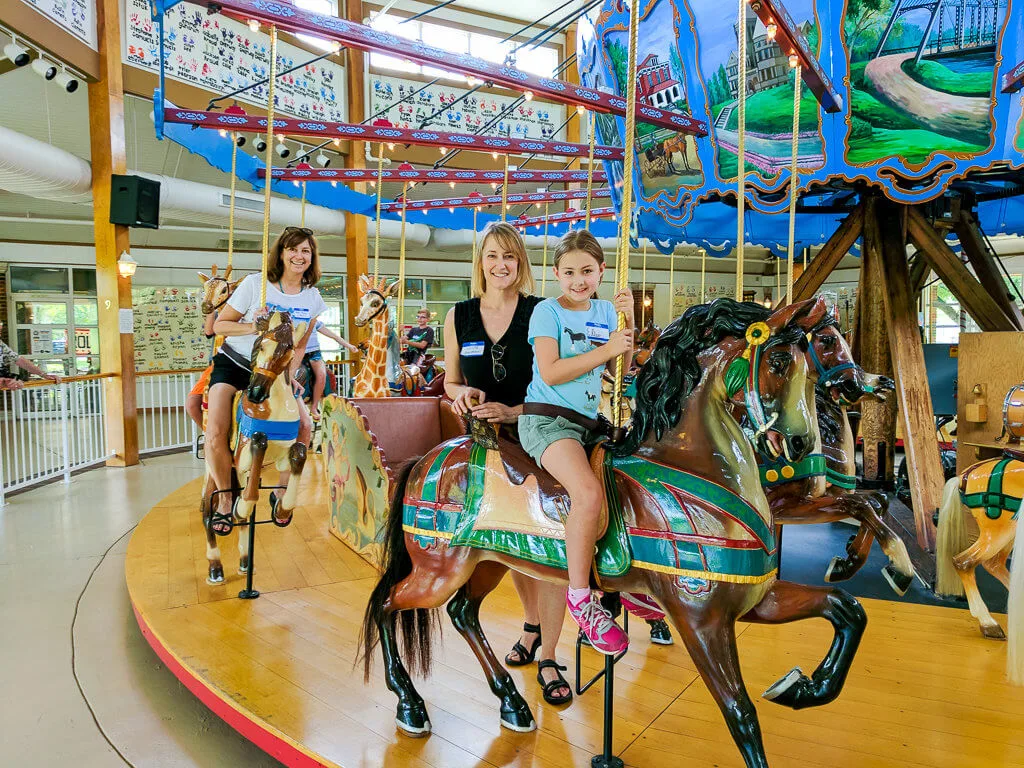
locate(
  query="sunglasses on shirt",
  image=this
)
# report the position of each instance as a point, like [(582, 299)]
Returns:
[(497, 369)]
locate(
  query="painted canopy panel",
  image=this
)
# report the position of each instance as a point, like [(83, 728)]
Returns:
[(918, 79)]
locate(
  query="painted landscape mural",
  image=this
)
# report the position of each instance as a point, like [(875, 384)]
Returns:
[(921, 77), (667, 160), (770, 91)]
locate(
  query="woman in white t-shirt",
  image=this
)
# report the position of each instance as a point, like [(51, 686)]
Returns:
[(292, 272)]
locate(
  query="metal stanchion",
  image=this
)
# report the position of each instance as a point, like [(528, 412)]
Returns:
[(606, 759)]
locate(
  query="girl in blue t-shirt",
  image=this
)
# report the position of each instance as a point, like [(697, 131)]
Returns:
[(574, 338)]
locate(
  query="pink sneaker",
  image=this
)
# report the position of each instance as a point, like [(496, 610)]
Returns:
[(641, 606), (598, 625)]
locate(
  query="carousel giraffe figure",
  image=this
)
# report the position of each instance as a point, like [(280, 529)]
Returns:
[(372, 380)]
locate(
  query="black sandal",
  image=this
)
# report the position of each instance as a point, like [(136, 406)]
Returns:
[(547, 686), (525, 656)]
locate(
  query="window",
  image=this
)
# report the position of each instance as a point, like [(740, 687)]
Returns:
[(438, 295), (540, 61), (54, 319), (332, 289), (324, 8)]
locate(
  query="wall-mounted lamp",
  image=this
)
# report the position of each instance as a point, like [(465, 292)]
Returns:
[(126, 265)]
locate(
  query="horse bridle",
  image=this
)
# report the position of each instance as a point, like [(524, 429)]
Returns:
[(829, 376), (742, 373)]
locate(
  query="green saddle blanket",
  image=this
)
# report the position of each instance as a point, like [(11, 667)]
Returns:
[(714, 534)]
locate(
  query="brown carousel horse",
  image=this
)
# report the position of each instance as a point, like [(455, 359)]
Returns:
[(687, 521), (645, 341), (265, 429), (822, 487)]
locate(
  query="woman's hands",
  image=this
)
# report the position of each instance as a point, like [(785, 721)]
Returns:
[(496, 413), (463, 403), (52, 377), (11, 384)]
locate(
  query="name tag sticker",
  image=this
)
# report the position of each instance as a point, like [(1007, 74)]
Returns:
[(472, 349), (597, 331)]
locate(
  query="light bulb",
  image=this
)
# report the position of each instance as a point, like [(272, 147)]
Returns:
[(451, 184), (793, 61), (528, 95), (391, 146), (44, 68), (223, 133), (580, 109), (254, 26), (494, 155), (771, 30), (444, 150)]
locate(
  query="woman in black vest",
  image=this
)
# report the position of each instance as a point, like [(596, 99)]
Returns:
[(488, 359)]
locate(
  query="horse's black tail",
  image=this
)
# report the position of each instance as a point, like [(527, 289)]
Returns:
[(417, 624)]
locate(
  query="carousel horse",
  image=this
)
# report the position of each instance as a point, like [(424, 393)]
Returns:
[(687, 521), (423, 379), (645, 341), (992, 491), (372, 379), (822, 487), (264, 429)]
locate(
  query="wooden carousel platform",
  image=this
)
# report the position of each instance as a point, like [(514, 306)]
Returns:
[(926, 689)]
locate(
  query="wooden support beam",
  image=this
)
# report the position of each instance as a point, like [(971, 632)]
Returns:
[(884, 235), (113, 292), (871, 349), (986, 269), (947, 265), (357, 252), (919, 271), (821, 266)]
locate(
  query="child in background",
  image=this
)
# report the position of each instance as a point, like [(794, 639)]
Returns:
[(315, 360), (574, 339)]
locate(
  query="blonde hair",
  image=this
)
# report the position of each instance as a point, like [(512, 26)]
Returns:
[(509, 239)]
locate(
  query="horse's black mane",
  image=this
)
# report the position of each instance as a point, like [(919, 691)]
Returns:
[(673, 371), (829, 415)]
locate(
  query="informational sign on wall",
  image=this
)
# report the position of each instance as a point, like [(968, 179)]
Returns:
[(76, 16), (222, 55), (168, 329), (530, 119)]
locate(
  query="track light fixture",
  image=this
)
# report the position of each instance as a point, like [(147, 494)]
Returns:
[(45, 69), (259, 144), (240, 140), (66, 81), (323, 160), (16, 53), (282, 150)]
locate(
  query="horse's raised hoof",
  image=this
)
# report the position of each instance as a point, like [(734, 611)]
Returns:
[(216, 575), (412, 720), (900, 582), (275, 502), (993, 632), (838, 570), (787, 690), (517, 716)]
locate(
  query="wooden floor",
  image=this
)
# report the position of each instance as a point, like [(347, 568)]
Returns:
[(926, 689)]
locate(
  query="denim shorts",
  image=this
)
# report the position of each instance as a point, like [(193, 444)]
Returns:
[(536, 433)]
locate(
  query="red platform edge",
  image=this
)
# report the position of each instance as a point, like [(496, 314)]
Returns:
[(270, 741)]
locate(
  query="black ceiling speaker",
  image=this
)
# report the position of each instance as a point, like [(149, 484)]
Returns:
[(134, 201)]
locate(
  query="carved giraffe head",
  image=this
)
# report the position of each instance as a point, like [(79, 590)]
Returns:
[(374, 299), (216, 290)]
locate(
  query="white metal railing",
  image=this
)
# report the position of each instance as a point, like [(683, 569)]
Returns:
[(51, 430), (343, 372), (164, 424)]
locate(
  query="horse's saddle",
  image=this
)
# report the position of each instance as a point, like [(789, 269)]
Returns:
[(995, 485), (502, 501), (249, 418)]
